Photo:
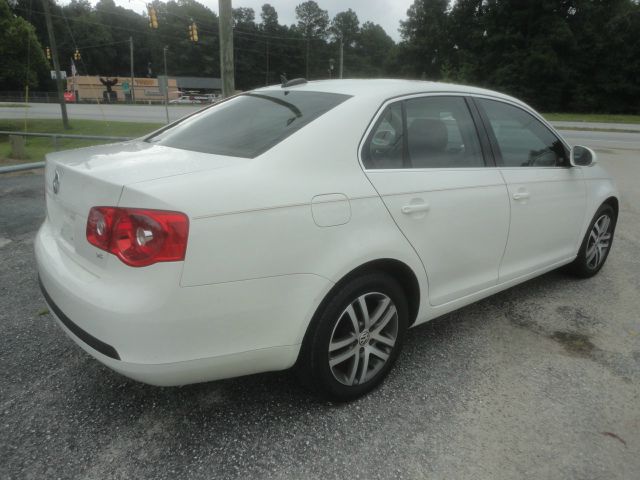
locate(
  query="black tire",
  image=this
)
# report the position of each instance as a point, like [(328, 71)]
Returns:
[(584, 265), (313, 367)]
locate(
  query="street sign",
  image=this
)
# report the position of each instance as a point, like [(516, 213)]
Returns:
[(63, 74)]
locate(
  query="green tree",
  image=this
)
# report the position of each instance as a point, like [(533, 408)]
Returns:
[(606, 66), (424, 34), (346, 26), (243, 16), (375, 51), (313, 23), (282, 47), (23, 59), (269, 18), (467, 39), (526, 50)]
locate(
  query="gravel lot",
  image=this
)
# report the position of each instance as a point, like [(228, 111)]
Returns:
[(541, 381)]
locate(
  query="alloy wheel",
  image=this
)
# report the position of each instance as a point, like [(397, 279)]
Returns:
[(363, 338), (599, 242)]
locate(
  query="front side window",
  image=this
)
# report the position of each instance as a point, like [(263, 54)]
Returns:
[(249, 124), (427, 132), (523, 140)]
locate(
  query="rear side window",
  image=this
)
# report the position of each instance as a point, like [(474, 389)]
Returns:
[(248, 125), (524, 141), (426, 132), (441, 134), (385, 147)]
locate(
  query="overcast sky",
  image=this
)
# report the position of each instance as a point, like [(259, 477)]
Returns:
[(387, 13)]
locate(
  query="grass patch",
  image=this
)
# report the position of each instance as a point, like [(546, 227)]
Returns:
[(591, 117), (37, 148), (588, 129)]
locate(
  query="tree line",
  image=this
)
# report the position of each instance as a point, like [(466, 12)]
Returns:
[(263, 48), (558, 55)]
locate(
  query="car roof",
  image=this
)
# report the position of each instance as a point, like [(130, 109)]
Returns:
[(383, 89)]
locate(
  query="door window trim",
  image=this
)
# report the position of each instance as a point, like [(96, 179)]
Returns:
[(495, 147), (487, 155)]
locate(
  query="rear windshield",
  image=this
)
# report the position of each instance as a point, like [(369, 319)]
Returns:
[(249, 124)]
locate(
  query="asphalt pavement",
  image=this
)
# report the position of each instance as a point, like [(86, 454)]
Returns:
[(541, 381), (87, 111)]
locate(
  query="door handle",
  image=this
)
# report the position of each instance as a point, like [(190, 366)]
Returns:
[(414, 208), (521, 195)]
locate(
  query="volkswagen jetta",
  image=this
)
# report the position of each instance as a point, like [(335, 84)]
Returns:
[(311, 225)]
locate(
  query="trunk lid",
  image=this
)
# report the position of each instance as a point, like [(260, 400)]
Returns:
[(77, 180)]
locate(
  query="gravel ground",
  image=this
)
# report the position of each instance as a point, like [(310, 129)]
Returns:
[(540, 381)]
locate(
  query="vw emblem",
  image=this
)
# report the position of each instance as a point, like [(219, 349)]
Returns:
[(56, 182)]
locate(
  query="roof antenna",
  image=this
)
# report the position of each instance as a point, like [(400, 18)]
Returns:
[(293, 82)]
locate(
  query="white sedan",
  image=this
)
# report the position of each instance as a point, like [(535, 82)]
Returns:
[(309, 225)]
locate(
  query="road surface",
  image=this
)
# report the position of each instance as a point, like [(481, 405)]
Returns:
[(124, 113)]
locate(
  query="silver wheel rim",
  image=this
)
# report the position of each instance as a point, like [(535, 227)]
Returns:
[(363, 338), (598, 242)]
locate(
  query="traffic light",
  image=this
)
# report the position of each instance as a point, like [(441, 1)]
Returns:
[(193, 32), (48, 52), (153, 17), (76, 55)]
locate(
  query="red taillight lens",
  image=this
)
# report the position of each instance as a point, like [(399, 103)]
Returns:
[(139, 237)]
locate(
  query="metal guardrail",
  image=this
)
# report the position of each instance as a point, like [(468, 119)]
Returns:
[(54, 137), (21, 167)]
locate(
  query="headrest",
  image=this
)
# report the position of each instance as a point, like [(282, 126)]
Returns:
[(428, 133)]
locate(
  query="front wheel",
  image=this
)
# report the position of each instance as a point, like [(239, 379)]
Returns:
[(596, 244), (355, 338)]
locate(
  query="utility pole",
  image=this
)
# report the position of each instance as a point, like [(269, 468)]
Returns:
[(226, 47), (341, 58), (166, 83), (133, 95), (306, 75), (56, 64), (266, 79)]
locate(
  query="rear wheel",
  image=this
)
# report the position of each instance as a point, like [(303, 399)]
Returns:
[(355, 338), (596, 244)]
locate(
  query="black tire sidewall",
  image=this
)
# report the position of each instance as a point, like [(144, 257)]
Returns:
[(317, 361)]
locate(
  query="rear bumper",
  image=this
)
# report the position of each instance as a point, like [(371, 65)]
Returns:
[(81, 335), (141, 323), (195, 371)]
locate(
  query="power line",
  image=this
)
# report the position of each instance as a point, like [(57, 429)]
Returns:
[(162, 35), (235, 28), (238, 31), (86, 47)]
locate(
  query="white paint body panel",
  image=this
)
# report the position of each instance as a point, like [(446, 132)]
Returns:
[(462, 236), (546, 222), (269, 237)]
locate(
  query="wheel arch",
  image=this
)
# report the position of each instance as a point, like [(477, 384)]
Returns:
[(397, 269), (614, 203)]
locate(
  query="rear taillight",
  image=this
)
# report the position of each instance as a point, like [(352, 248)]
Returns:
[(139, 237)]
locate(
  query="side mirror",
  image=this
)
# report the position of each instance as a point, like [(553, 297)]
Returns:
[(582, 156)]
